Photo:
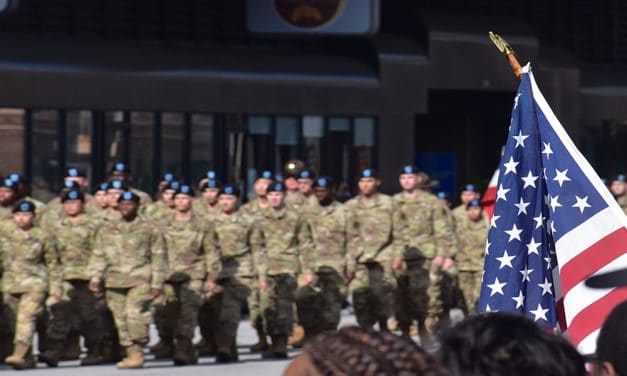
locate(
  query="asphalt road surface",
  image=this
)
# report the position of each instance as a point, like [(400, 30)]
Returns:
[(249, 364)]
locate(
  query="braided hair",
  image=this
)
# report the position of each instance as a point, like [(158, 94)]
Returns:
[(356, 351)]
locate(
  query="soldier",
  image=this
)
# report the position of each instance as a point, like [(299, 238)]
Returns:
[(423, 238), (618, 187), (120, 171), (166, 179), (237, 275), (282, 244), (207, 205), (23, 191), (189, 241), (319, 305), (30, 271), (163, 209), (8, 197), (368, 268), (210, 175), (130, 259), (469, 193), (303, 200), (74, 238), (253, 208), (291, 170), (115, 189), (100, 197), (445, 200), (472, 235)]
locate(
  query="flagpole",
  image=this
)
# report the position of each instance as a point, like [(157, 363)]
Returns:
[(507, 50)]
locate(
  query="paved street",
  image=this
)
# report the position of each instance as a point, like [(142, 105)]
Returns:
[(250, 364)]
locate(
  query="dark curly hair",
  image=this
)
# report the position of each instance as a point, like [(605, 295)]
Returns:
[(612, 341), (356, 351), (507, 344)]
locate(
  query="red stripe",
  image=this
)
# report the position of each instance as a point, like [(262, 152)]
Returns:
[(591, 318), (590, 260), (488, 201), (561, 314)]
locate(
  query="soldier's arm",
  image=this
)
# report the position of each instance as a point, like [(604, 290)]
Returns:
[(212, 254), (306, 248), (400, 228), (444, 231), (353, 250), (97, 261), (51, 258), (159, 260), (258, 248)]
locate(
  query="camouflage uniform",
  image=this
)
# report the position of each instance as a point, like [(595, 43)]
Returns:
[(30, 270), (130, 258), (202, 209), (319, 305), (472, 240), (144, 199), (281, 245), (74, 239), (300, 203), (622, 202), (159, 212), (236, 278), (190, 246), (422, 231), (373, 286)]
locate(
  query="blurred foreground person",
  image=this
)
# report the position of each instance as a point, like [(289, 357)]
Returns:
[(507, 344), (612, 344), (356, 351)]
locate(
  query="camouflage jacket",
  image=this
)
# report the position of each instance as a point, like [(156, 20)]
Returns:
[(472, 241), (202, 209), (622, 202), (128, 254), (75, 243), (301, 203), (332, 234), (53, 212), (29, 261), (233, 234), (372, 219), (190, 248), (281, 243), (251, 208), (422, 227), (158, 212)]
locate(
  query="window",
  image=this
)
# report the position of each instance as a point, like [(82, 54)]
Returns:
[(338, 148), (286, 140), (116, 131), (12, 130), (46, 169), (202, 145), (172, 135), (313, 131), (78, 142), (141, 150), (363, 142)]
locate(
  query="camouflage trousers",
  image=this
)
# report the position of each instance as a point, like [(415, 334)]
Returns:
[(319, 305), (226, 310), (78, 307), (176, 314), (254, 306), (131, 312), (277, 304), (373, 290), (21, 312), (470, 286)]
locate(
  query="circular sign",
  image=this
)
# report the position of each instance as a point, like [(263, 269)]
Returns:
[(309, 13)]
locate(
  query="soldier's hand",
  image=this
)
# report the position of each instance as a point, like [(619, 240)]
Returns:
[(397, 263), (154, 293), (94, 287), (438, 261), (448, 263), (309, 278), (263, 285), (210, 285)]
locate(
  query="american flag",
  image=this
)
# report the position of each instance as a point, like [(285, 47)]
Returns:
[(554, 225)]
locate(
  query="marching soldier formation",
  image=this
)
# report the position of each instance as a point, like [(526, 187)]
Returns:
[(106, 266)]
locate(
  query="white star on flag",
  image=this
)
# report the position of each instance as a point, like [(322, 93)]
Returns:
[(548, 262), (522, 206), (560, 177), (539, 313), (547, 149), (539, 221), (581, 204), (502, 193), (510, 166), (530, 180), (505, 260), (546, 287), (532, 247), (554, 203), (525, 274), (520, 300), (497, 287), (487, 248), (514, 233), (493, 220), (520, 139)]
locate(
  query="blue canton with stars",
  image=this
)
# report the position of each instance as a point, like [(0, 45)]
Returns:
[(542, 194)]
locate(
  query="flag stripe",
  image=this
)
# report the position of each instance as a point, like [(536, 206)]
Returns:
[(592, 259), (589, 318)]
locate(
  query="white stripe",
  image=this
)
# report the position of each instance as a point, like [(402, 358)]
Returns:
[(581, 161), (495, 179), (585, 235), (581, 296), (589, 344)]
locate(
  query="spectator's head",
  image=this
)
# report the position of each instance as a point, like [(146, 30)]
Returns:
[(612, 344), (356, 351), (501, 344)]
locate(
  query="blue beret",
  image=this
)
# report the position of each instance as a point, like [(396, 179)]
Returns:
[(324, 182), (275, 187), (368, 173), (619, 177), (184, 189), (73, 195), (8, 183), (267, 174), (211, 175), (120, 167), (174, 185), (15, 177), (409, 170), (210, 184), (474, 204), (442, 195), (117, 184), (168, 176), (306, 174), (24, 207), (103, 186), (230, 189), (74, 172), (129, 196), (470, 187)]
